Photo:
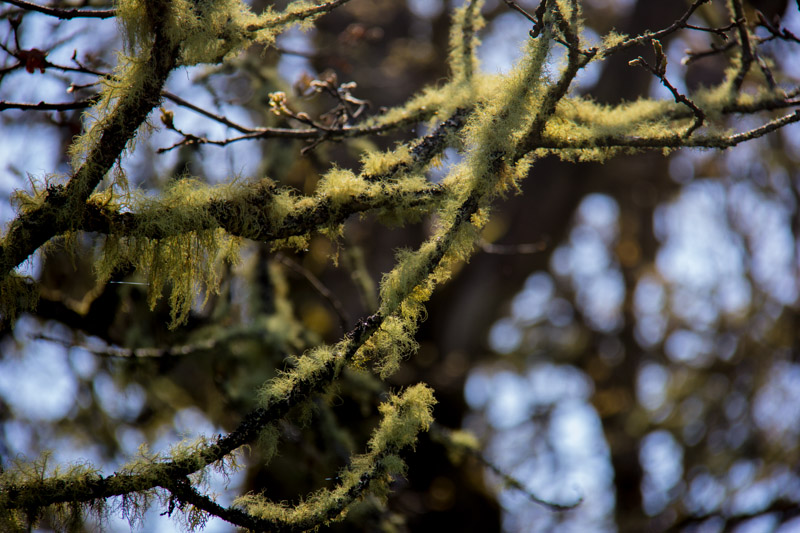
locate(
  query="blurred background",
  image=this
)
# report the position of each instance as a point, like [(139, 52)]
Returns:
[(628, 338)]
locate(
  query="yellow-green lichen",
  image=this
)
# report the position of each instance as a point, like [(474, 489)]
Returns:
[(403, 417)]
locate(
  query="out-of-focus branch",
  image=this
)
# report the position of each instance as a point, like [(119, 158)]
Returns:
[(454, 441), (747, 56), (325, 292), (513, 249), (784, 509)]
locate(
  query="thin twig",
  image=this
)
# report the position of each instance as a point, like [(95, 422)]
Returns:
[(65, 14), (325, 292), (776, 30), (307, 55), (648, 36), (311, 134), (136, 353), (537, 20), (48, 106), (659, 70), (155, 352), (444, 436), (744, 41), (219, 118), (721, 31), (715, 49)]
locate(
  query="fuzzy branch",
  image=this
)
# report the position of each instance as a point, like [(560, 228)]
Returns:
[(58, 213)]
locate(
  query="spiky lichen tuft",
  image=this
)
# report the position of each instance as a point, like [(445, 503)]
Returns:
[(611, 40), (268, 439), (467, 21), (339, 186), (378, 164), (307, 368), (403, 418), (387, 347)]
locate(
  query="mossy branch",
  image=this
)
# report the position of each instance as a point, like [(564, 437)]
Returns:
[(62, 206), (313, 372), (404, 417), (152, 28), (669, 141), (249, 212), (501, 124), (467, 20)]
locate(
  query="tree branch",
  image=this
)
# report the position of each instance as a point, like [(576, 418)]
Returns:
[(670, 141), (64, 14), (62, 203), (648, 36), (48, 106)]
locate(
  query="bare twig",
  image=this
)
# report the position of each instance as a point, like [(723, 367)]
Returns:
[(48, 106), (219, 118), (659, 70), (721, 31), (64, 14), (648, 36), (325, 292), (776, 30), (311, 134), (155, 352), (715, 49), (137, 353), (307, 55), (744, 41)]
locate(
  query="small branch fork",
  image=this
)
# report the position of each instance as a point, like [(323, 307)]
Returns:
[(331, 125), (537, 18), (659, 70), (774, 28), (649, 36)]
